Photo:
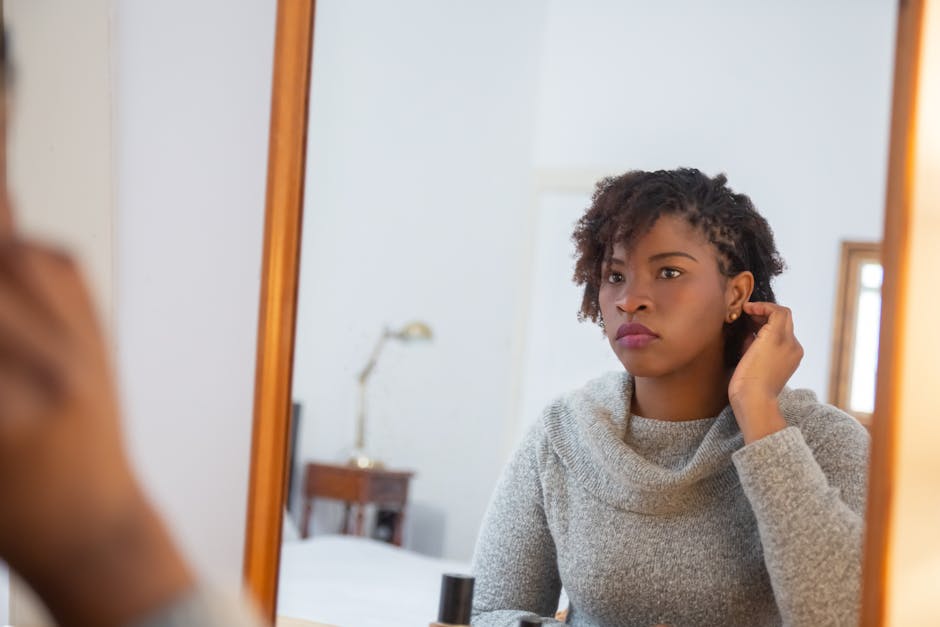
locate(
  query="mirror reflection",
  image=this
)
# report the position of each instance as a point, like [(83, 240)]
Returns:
[(453, 150)]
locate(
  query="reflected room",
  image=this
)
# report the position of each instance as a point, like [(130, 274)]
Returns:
[(452, 149)]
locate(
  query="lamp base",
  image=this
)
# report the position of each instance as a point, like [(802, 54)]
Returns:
[(360, 459)]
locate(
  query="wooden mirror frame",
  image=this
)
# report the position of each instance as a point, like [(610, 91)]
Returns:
[(902, 550), (284, 210), (287, 150)]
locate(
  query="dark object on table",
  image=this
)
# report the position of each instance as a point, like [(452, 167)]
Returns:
[(386, 522), (456, 600)]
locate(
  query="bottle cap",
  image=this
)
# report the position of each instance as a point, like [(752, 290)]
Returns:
[(456, 600)]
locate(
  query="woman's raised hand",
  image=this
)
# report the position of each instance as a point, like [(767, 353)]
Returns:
[(770, 358), (73, 522)]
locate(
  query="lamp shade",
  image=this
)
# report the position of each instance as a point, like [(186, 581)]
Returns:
[(414, 331)]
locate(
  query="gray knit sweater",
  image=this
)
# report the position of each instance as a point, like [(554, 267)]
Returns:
[(648, 521)]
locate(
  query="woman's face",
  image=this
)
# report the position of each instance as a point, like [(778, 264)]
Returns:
[(664, 301)]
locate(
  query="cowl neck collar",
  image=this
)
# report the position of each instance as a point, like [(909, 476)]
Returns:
[(586, 429)]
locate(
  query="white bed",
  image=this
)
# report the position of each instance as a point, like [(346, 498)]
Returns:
[(358, 582)]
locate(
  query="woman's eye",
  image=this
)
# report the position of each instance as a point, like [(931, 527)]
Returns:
[(670, 273), (614, 277)]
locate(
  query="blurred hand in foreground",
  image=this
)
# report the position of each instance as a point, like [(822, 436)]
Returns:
[(74, 522)]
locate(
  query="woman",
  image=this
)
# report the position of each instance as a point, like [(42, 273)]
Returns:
[(693, 488)]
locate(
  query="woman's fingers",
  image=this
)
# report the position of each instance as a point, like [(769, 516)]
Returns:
[(44, 313), (24, 402), (32, 369), (757, 314), (772, 357), (771, 316), (48, 282), (760, 311), (775, 324), (25, 285)]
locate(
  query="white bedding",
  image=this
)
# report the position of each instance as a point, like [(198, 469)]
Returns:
[(358, 582)]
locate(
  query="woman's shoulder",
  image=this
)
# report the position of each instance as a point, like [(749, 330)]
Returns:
[(820, 422)]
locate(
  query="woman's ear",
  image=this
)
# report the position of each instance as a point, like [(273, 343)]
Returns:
[(738, 291)]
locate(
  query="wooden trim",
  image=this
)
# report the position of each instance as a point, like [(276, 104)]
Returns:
[(894, 289), (274, 360), (853, 255)]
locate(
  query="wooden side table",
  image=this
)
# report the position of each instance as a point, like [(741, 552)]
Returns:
[(387, 489)]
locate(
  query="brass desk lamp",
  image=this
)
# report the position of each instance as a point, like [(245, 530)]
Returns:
[(411, 332)]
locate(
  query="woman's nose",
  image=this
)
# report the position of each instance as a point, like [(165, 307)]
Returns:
[(633, 298)]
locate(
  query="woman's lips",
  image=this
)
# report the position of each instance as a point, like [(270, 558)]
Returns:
[(637, 340), (634, 335)]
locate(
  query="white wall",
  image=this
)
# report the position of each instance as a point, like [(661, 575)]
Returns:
[(419, 158), (192, 98), (60, 144), (790, 99), (430, 123)]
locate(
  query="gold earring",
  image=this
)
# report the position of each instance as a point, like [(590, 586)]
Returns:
[(734, 316)]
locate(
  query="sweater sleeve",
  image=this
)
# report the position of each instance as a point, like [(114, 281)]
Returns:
[(515, 559), (809, 505)]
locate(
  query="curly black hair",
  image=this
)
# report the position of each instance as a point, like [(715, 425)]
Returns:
[(626, 207)]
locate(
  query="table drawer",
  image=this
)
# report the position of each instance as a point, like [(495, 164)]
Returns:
[(333, 484), (387, 490)]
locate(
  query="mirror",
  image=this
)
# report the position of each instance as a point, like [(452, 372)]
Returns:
[(449, 155)]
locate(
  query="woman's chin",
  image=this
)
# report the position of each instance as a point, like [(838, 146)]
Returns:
[(643, 368), (646, 361)]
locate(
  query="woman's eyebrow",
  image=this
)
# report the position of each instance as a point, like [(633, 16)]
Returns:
[(675, 253)]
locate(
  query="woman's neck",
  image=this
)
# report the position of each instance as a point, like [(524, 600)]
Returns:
[(688, 394)]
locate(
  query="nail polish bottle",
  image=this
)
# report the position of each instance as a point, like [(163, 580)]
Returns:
[(456, 601)]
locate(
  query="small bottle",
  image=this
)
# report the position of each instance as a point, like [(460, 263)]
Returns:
[(456, 601)]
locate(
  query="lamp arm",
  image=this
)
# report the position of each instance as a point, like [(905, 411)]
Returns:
[(363, 378), (370, 366)]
